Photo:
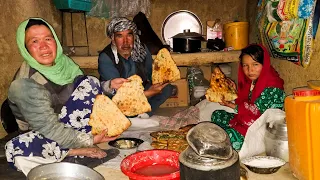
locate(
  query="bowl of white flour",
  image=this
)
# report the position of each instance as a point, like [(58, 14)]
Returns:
[(263, 164)]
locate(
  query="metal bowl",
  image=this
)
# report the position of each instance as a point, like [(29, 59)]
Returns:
[(263, 164), (63, 171), (126, 143)]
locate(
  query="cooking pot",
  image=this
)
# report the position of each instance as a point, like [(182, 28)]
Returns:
[(209, 155), (187, 42), (276, 140), (63, 171)]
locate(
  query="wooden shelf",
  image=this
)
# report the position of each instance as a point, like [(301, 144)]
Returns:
[(185, 59)]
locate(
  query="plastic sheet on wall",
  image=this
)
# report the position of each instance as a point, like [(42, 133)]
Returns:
[(119, 8), (99, 8), (291, 40)]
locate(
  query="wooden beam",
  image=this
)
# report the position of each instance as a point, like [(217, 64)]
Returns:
[(185, 59)]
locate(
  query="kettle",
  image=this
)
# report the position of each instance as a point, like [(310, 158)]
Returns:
[(276, 140)]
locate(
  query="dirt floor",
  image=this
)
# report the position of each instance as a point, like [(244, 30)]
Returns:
[(7, 173)]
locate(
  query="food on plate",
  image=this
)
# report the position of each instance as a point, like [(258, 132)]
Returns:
[(171, 139), (220, 87), (126, 143), (164, 69), (130, 97), (159, 145), (166, 135), (177, 144), (106, 115)]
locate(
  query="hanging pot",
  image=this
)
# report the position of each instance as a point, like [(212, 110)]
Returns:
[(187, 42)]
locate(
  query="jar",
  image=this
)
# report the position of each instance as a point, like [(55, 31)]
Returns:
[(276, 140)]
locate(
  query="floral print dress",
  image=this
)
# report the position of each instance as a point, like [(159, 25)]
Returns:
[(74, 114), (269, 98)]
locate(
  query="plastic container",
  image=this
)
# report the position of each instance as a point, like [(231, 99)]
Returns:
[(303, 124), (73, 5), (236, 35), (151, 157)]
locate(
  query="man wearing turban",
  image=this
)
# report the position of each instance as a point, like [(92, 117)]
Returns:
[(126, 56)]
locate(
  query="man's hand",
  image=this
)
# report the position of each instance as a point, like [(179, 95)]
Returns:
[(117, 82), (154, 89), (102, 137), (92, 152)]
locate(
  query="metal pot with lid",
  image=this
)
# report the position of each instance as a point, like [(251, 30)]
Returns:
[(209, 156), (187, 42), (276, 140)]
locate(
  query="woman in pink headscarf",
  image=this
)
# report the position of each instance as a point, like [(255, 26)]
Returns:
[(259, 88)]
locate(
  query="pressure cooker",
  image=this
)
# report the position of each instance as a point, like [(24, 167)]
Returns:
[(187, 42), (209, 155)]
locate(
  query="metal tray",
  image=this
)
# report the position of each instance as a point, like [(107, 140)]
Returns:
[(176, 22)]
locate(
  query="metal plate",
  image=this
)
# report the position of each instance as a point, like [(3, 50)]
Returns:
[(176, 22), (63, 171), (126, 143)]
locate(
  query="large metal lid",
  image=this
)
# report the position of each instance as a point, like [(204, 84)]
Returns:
[(210, 141), (178, 21)]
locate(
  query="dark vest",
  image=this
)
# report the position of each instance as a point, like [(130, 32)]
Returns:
[(140, 66)]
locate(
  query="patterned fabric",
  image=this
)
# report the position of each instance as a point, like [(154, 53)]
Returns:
[(74, 114), (138, 53), (269, 98), (222, 118), (305, 8), (286, 29)]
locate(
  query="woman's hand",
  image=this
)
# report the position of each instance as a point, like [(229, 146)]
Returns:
[(117, 82), (102, 137), (227, 103), (92, 152), (233, 84), (154, 89)]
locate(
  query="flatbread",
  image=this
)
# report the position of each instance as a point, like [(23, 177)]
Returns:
[(220, 87), (177, 144), (130, 97), (106, 115), (164, 69)]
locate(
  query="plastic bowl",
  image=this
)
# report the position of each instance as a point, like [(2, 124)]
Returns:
[(263, 164), (151, 157)]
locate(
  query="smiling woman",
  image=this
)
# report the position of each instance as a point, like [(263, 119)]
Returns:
[(41, 44), (51, 100)]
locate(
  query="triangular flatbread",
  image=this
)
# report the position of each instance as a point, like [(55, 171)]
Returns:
[(130, 97), (164, 69), (220, 87), (106, 114)]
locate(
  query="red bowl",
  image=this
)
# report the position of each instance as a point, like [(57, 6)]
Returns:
[(147, 158)]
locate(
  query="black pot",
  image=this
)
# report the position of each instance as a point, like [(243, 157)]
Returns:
[(187, 42)]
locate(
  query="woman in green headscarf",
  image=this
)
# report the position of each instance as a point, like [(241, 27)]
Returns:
[(51, 100)]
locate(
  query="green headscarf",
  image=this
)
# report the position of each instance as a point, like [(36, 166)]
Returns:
[(62, 72)]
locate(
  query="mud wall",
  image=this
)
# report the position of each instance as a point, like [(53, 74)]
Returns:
[(11, 14)]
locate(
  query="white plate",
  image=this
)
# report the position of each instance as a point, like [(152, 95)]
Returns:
[(176, 22), (263, 162)]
